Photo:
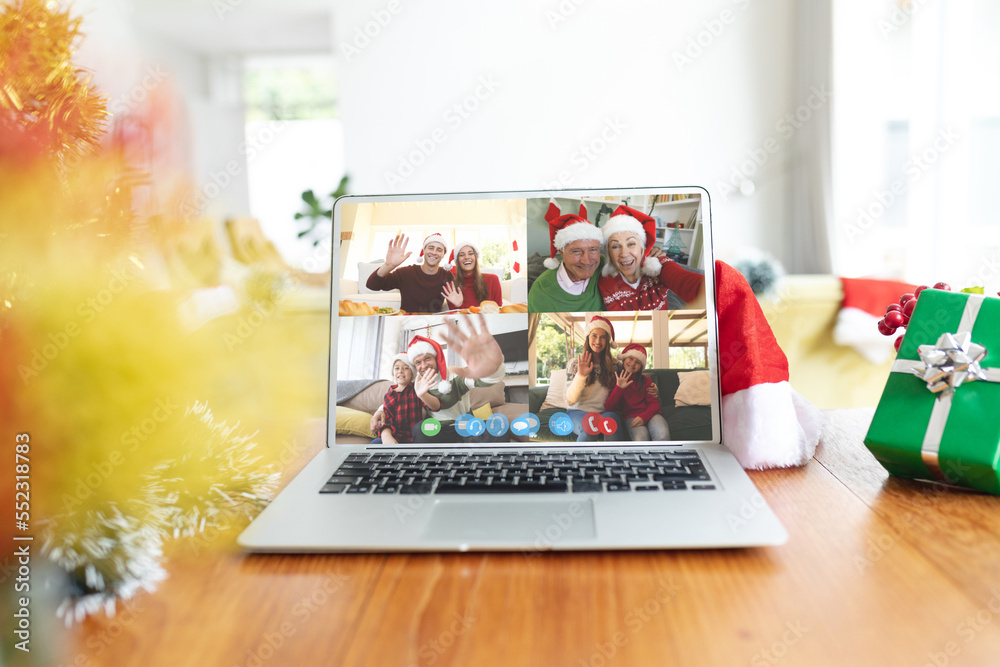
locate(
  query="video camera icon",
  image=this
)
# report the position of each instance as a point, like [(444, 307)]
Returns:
[(430, 427)]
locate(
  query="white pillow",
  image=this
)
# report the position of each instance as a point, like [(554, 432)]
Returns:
[(556, 396), (365, 269), (693, 388)]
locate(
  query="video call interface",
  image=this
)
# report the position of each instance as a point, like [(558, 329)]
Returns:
[(533, 320)]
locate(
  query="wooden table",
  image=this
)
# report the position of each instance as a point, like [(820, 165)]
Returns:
[(878, 571)]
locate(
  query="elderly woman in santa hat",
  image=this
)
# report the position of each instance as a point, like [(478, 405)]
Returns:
[(590, 379), (633, 279), (471, 286)]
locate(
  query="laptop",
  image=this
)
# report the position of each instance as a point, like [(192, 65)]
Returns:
[(519, 411)]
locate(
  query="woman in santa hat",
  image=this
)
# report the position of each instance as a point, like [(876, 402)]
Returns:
[(473, 286), (591, 377), (633, 279)]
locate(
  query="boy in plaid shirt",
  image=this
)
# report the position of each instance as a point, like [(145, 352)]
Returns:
[(403, 409)]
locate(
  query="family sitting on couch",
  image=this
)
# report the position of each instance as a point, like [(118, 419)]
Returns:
[(643, 404), (594, 383)]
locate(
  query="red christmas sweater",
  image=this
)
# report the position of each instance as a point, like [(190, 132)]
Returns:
[(651, 292), (639, 399), (469, 291)]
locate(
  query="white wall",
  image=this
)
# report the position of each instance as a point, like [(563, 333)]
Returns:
[(561, 75), (663, 93), (196, 100)]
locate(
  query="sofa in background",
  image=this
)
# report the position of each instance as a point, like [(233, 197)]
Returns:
[(692, 422), (354, 414), (802, 312)]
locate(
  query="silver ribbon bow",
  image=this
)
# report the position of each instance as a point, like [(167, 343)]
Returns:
[(954, 360)]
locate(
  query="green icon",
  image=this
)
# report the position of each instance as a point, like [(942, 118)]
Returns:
[(430, 427)]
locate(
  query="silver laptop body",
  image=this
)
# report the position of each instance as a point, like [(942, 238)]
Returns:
[(724, 510)]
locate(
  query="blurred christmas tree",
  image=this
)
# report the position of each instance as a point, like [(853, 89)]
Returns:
[(97, 368)]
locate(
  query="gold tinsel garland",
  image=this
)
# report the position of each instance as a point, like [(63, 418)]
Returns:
[(46, 102)]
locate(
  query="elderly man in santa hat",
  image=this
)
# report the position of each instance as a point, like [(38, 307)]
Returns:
[(569, 285), (421, 286)]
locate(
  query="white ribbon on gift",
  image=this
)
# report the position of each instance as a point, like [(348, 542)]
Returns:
[(931, 445)]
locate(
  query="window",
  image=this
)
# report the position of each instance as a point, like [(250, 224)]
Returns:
[(294, 143), (916, 140)]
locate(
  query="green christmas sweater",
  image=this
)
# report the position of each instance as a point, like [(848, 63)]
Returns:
[(546, 296)]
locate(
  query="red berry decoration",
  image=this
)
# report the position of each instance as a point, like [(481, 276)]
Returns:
[(897, 315)]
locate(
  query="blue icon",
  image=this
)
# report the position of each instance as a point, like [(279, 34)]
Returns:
[(462, 424), (497, 425), (475, 428), (560, 424), (526, 424)]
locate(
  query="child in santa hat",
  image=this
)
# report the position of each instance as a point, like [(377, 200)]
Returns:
[(635, 397), (402, 408)]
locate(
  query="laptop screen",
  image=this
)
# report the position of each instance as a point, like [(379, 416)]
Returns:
[(550, 317)]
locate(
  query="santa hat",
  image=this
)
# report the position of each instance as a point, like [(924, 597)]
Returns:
[(600, 322), (433, 238), (458, 247), (766, 423), (567, 228), (634, 350), (626, 219), (402, 356), (420, 346)]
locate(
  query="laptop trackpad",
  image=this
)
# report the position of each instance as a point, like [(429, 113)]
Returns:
[(543, 523)]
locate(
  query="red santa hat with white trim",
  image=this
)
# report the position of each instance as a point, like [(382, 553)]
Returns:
[(420, 346), (405, 358), (635, 351), (626, 219), (603, 323), (765, 422), (567, 228), (433, 238)]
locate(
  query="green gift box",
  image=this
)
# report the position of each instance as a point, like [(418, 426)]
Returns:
[(947, 433)]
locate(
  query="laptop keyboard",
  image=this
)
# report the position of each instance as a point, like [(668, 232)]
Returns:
[(520, 472)]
